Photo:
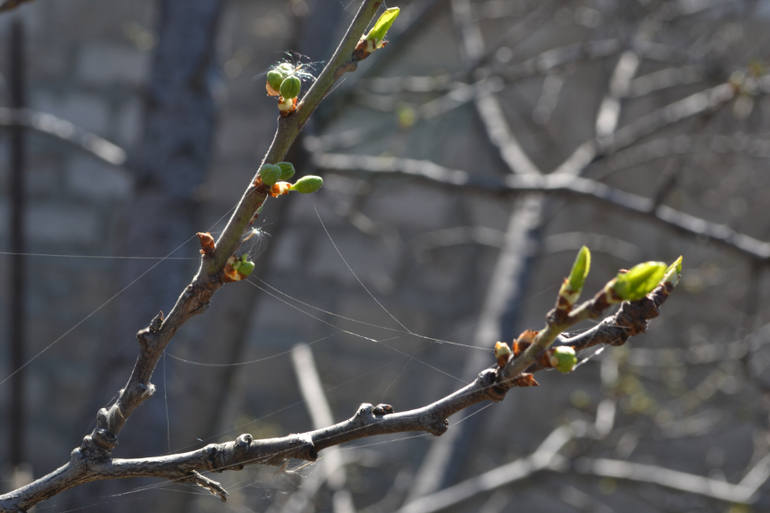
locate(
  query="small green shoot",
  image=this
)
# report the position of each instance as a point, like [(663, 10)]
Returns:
[(638, 281)]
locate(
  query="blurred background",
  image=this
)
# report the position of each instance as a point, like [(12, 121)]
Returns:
[(128, 126)]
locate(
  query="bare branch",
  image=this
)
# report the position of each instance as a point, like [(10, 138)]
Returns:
[(333, 469), (8, 5), (431, 173), (66, 131), (742, 493), (693, 105)]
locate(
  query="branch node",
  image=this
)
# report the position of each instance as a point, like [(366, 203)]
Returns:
[(308, 447), (241, 449), (364, 411), (243, 441), (382, 409), (156, 323), (437, 426), (77, 459), (147, 390)]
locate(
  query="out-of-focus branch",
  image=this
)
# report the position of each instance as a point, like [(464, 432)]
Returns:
[(545, 457), (332, 466), (693, 105), (431, 173), (66, 131), (741, 493), (8, 5), (565, 241)]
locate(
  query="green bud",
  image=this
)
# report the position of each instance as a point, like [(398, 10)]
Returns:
[(286, 68), (673, 272), (287, 170), (246, 268), (308, 184), (274, 79), (638, 281), (564, 359), (270, 174), (383, 24), (291, 86), (572, 286)]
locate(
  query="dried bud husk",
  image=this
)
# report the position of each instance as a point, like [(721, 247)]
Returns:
[(280, 188)]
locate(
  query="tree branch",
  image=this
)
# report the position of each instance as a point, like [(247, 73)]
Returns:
[(92, 460), (434, 174), (490, 384), (66, 131)]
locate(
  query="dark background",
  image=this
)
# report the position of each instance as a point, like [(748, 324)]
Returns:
[(177, 84)]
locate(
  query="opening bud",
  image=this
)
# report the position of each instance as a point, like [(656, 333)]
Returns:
[(563, 359), (308, 184), (270, 173)]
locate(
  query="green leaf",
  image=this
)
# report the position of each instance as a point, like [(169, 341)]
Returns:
[(308, 184), (383, 24), (673, 272), (638, 281), (246, 268)]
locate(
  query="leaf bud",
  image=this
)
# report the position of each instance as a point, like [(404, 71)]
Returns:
[(563, 359), (270, 173), (245, 268), (502, 353), (382, 25), (274, 79), (287, 170), (638, 281), (291, 86), (308, 184)]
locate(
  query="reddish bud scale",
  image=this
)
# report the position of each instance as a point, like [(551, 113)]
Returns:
[(279, 189), (206, 242), (525, 379)]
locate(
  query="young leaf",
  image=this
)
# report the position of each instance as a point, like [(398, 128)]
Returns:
[(383, 24), (638, 281), (673, 272)]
